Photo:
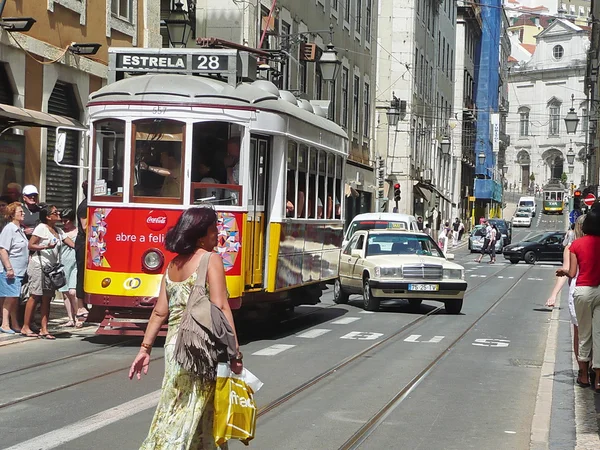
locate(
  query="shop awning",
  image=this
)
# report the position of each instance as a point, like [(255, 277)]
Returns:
[(15, 116), (422, 192), (350, 191), (431, 188)]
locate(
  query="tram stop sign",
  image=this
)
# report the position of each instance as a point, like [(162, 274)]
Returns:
[(589, 199)]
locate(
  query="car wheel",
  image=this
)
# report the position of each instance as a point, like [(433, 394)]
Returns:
[(530, 257), (370, 303), (339, 296), (453, 306), (415, 302), (514, 261)]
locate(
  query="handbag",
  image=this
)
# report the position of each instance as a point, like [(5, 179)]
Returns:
[(204, 334), (54, 273)]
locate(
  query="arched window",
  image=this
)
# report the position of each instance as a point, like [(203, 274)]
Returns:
[(523, 121)]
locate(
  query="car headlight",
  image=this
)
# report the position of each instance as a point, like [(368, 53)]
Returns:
[(454, 274), (388, 272), (516, 249)]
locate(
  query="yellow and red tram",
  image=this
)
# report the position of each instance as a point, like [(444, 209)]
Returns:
[(176, 128)]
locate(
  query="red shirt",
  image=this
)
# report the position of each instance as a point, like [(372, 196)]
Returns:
[(587, 249)]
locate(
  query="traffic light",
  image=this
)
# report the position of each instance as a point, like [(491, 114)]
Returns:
[(397, 192), (577, 199)]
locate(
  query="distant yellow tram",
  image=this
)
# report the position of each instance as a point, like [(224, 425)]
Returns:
[(553, 202)]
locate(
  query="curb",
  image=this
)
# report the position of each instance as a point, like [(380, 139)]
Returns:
[(540, 425)]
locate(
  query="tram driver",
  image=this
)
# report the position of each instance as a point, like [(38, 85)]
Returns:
[(170, 168)]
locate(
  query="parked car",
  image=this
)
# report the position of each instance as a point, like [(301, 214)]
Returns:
[(380, 221), (504, 227), (541, 247), (387, 264), (477, 238), (522, 219)]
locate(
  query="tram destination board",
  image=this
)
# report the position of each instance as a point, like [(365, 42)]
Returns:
[(188, 61)]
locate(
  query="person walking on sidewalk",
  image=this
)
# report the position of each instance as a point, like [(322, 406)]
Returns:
[(184, 416), (455, 232), (14, 256), (586, 296), (461, 230)]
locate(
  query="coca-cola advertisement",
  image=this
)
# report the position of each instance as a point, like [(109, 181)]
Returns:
[(118, 238)]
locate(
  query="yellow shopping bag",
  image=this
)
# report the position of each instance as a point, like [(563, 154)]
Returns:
[(235, 410)]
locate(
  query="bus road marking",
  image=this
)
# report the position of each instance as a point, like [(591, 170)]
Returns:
[(311, 334), (362, 336), (273, 350), (345, 320), (491, 342)]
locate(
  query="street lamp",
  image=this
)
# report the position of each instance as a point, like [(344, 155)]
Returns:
[(84, 49), (570, 156), (21, 24), (445, 144), (179, 26), (329, 64), (571, 119), (481, 158), (393, 112), (504, 170)]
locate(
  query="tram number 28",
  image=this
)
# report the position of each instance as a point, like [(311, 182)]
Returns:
[(210, 62)]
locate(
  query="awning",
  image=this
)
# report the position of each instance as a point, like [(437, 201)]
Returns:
[(14, 116), (350, 191), (432, 188), (423, 193)]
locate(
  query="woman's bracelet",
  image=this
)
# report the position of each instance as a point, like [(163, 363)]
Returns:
[(146, 346), (239, 356)]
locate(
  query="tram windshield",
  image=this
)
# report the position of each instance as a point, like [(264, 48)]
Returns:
[(553, 195)]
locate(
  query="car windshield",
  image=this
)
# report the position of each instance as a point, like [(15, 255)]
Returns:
[(360, 225), (538, 237), (527, 203), (402, 244)]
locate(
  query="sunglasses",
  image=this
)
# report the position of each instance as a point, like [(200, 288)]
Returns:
[(31, 195), (55, 213)]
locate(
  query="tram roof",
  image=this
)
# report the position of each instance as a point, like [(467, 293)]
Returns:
[(205, 91)]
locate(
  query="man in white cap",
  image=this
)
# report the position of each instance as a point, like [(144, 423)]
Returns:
[(30, 208)]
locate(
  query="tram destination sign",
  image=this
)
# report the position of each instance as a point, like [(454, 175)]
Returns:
[(170, 63), (161, 60)]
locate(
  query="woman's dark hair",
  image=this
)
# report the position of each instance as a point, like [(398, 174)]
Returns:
[(45, 212), (591, 224), (192, 225), (68, 214)]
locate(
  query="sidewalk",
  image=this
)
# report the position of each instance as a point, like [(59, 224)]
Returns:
[(58, 318)]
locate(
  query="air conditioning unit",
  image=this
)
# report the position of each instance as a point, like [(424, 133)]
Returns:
[(427, 175)]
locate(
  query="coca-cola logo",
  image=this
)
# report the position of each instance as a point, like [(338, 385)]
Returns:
[(156, 220)]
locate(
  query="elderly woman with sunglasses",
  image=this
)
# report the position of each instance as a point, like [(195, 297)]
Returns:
[(45, 243)]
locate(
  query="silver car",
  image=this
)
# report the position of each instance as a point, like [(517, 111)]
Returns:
[(477, 238)]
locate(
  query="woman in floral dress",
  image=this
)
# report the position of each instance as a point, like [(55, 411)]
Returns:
[(184, 416)]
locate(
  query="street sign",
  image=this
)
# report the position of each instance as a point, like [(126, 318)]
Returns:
[(471, 198), (589, 199), (573, 215)]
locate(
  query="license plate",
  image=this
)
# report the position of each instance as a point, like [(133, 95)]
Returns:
[(423, 287)]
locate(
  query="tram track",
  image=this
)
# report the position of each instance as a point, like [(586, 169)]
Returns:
[(404, 330)]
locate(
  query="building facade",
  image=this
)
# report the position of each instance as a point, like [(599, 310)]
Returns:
[(592, 89), (287, 25), (39, 72), (542, 90), (416, 65)]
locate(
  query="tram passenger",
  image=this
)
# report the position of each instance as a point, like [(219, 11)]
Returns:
[(205, 173), (290, 195), (170, 168), (232, 160)]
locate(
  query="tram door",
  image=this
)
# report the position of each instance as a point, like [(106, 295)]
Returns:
[(256, 228)]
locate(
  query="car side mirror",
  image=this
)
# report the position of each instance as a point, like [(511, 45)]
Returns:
[(356, 253), (450, 256)]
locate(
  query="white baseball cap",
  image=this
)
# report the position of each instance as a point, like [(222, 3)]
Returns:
[(30, 189)]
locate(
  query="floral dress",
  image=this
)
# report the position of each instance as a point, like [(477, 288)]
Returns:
[(184, 416)]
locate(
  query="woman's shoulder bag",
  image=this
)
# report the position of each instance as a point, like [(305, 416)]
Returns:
[(204, 333)]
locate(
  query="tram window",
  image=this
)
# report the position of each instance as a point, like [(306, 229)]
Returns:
[(330, 192), (314, 203), (215, 163), (338, 187), (157, 164), (302, 175), (552, 195), (292, 161), (559, 196), (109, 150)]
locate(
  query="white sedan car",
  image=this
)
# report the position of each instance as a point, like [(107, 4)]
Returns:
[(521, 219), (387, 264)]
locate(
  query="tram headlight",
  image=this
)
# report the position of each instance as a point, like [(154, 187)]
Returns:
[(153, 259)]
